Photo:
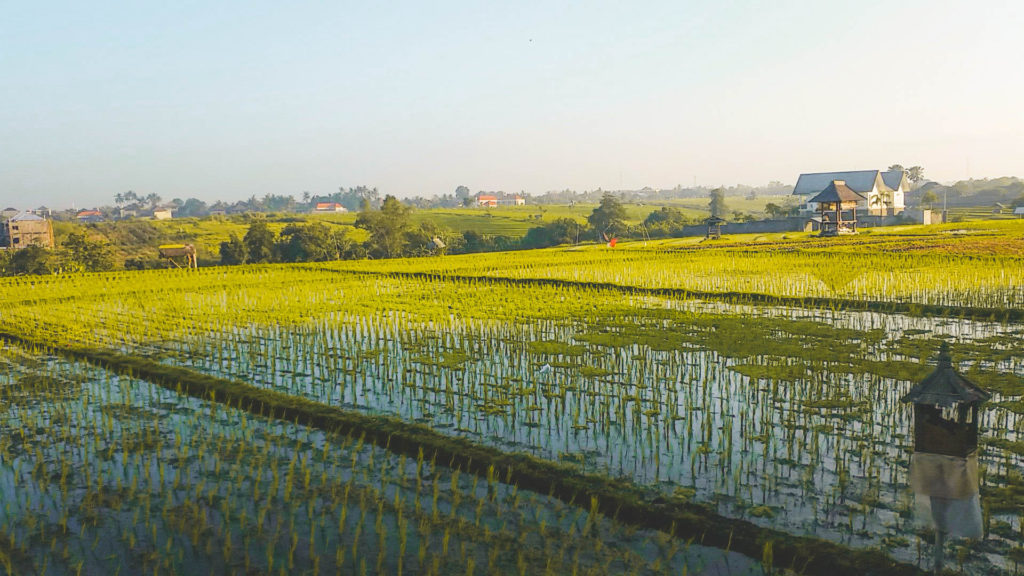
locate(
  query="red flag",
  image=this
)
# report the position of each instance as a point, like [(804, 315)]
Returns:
[(611, 243)]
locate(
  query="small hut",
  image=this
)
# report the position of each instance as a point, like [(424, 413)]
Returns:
[(171, 252), (944, 465), (837, 205), (714, 224)]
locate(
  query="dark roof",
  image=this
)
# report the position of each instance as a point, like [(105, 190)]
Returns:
[(893, 178), (945, 387), (859, 180), (837, 191), (714, 220), (26, 217)]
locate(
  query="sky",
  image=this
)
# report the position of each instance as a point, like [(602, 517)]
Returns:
[(228, 100)]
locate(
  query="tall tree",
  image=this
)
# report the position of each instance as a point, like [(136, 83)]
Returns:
[(387, 227), (259, 243), (929, 198), (233, 251), (717, 202), (32, 259), (560, 231), (895, 167), (915, 174), (192, 207), (665, 217), (80, 253), (314, 242), (609, 218)]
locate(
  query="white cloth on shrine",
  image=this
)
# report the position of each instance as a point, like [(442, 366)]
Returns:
[(958, 518), (946, 492), (944, 476)]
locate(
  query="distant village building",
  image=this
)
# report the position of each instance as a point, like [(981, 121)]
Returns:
[(26, 229), (1019, 212), (491, 200), (8, 212), (329, 207), (512, 200), (89, 216), (882, 192), (162, 214)]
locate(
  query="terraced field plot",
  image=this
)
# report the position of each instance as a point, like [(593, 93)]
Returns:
[(104, 474), (783, 417)]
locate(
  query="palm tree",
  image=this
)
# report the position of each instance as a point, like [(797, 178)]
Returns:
[(875, 202)]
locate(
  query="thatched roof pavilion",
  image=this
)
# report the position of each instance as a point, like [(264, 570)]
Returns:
[(837, 204)]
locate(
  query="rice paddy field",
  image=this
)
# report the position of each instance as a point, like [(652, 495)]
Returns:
[(664, 408)]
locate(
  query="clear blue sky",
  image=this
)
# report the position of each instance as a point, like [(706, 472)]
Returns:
[(233, 99)]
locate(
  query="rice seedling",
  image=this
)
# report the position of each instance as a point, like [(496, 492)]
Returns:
[(207, 522)]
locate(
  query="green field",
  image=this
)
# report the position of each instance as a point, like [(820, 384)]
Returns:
[(571, 409), (139, 238)]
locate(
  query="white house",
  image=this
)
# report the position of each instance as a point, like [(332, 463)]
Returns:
[(883, 192)]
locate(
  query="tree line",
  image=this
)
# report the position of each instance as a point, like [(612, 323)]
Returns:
[(391, 233)]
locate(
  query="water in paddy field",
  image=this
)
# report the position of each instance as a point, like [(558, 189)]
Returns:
[(785, 417), (101, 474)]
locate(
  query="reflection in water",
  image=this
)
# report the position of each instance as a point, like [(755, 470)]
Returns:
[(944, 467)]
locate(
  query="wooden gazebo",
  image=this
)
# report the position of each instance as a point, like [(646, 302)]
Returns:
[(837, 204), (714, 224), (172, 251)]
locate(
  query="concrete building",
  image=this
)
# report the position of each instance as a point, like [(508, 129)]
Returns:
[(25, 229)]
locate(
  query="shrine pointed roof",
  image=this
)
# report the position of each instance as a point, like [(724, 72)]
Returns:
[(945, 386)]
